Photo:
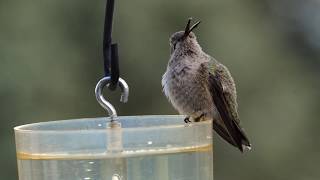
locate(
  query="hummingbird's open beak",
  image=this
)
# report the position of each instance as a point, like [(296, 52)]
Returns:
[(194, 26), (188, 29)]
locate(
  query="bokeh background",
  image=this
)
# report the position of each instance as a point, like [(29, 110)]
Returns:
[(51, 59)]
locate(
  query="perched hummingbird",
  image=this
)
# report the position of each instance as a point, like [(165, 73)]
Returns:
[(202, 88)]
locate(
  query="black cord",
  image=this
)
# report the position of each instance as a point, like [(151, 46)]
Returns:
[(114, 67), (110, 52)]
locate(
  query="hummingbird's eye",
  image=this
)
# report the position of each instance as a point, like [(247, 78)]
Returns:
[(172, 47), (173, 44)]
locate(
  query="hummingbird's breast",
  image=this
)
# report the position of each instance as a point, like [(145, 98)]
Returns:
[(186, 86)]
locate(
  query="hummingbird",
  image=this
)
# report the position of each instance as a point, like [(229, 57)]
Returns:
[(200, 87)]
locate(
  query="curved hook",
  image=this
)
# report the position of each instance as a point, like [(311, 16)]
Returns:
[(103, 102)]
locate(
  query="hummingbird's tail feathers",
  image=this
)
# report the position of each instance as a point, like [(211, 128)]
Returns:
[(223, 133), (247, 148), (237, 138), (228, 122), (240, 137)]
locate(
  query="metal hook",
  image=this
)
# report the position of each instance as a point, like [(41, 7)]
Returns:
[(103, 102)]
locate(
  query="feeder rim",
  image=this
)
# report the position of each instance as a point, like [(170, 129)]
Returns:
[(24, 128)]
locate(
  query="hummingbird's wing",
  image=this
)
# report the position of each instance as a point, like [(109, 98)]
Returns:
[(223, 92)]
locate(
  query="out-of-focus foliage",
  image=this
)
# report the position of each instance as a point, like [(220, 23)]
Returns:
[(51, 59)]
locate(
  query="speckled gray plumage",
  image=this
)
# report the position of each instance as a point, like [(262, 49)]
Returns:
[(187, 83), (186, 87)]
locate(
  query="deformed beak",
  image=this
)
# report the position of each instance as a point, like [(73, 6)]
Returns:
[(194, 26), (188, 29)]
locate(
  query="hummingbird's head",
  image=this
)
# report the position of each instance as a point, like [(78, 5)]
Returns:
[(184, 38)]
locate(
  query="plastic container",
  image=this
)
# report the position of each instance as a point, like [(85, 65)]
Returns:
[(143, 148)]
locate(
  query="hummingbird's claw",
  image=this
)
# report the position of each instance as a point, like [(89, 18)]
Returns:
[(187, 119), (198, 119)]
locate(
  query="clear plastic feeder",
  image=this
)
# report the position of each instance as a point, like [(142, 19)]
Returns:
[(143, 148)]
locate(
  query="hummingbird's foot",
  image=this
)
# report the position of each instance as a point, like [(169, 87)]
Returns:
[(187, 119), (198, 119)]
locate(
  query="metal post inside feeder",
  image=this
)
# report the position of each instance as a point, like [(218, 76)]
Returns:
[(117, 165)]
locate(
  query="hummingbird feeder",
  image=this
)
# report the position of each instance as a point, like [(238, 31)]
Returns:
[(149, 147)]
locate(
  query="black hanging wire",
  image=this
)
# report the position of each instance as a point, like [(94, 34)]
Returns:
[(110, 51)]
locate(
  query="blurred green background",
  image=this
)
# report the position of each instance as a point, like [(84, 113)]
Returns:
[(51, 60)]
